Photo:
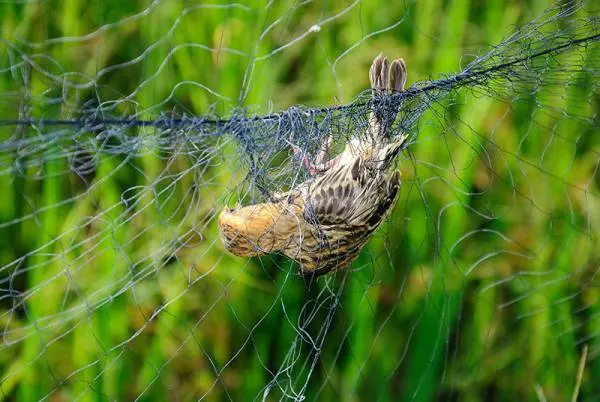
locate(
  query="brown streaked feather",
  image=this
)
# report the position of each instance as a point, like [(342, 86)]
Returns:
[(397, 75), (331, 197)]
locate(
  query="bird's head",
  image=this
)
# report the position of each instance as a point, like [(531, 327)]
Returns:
[(256, 229)]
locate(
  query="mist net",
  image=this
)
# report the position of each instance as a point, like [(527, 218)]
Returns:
[(126, 127)]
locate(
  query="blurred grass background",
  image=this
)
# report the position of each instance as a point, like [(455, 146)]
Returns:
[(426, 317)]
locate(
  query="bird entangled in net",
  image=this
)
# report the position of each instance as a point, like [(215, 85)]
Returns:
[(128, 129)]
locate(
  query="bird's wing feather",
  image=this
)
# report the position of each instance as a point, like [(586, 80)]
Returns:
[(348, 194), (331, 198)]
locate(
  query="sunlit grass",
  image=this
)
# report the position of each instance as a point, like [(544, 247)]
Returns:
[(414, 320)]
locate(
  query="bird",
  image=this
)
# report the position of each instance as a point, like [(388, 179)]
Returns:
[(324, 222)]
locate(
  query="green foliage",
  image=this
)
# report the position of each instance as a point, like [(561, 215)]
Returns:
[(422, 316)]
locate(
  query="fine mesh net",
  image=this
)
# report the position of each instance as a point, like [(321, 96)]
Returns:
[(126, 127)]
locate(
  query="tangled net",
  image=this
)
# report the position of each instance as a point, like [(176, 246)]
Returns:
[(115, 163)]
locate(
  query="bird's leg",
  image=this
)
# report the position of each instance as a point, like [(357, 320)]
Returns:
[(320, 165), (298, 152), (323, 151)]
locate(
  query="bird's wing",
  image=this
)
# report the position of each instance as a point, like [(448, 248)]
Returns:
[(348, 194)]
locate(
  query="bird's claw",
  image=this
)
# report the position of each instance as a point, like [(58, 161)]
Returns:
[(323, 151), (320, 165)]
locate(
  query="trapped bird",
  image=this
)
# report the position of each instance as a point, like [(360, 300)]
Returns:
[(324, 222)]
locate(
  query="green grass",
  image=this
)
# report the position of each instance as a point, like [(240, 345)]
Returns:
[(424, 317)]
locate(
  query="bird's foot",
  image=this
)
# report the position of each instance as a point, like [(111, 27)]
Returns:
[(321, 165)]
